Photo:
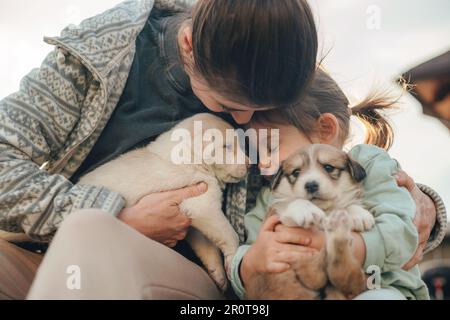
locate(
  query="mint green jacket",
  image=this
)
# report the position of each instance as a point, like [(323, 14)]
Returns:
[(389, 245)]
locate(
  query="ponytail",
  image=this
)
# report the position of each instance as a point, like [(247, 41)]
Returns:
[(379, 130)]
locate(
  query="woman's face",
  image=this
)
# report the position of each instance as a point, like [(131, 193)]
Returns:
[(215, 102), (241, 113)]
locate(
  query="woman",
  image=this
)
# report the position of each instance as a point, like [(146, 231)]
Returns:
[(114, 84)]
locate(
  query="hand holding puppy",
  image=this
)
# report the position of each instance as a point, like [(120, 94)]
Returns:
[(158, 215), (273, 252)]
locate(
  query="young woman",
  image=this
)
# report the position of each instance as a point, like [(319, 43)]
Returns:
[(112, 84)]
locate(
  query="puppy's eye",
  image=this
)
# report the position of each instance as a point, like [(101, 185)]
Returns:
[(329, 168), (295, 173)]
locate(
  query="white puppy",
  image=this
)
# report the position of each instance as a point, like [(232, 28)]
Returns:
[(152, 169)]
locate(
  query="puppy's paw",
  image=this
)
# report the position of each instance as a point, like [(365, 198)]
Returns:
[(220, 278), (361, 219), (302, 213), (338, 228), (338, 220)]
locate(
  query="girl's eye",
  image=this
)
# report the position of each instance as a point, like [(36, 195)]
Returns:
[(329, 168), (295, 173)]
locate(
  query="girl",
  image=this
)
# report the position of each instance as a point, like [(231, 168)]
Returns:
[(324, 117)]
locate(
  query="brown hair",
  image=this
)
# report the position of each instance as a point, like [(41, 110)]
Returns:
[(325, 96), (260, 52)]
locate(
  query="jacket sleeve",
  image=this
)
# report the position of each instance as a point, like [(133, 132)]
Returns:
[(35, 123), (393, 240)]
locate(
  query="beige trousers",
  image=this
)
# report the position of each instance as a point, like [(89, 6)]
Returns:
[(96, 256)]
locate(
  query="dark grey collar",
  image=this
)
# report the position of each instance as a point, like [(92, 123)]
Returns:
[(168, 39)]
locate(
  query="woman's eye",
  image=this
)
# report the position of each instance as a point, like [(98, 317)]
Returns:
[(329, 168), (295, 173), (273, 149)]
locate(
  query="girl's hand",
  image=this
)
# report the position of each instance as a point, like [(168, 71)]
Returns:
[(318, 240), (425, 216), (158, 215), (273, 252)]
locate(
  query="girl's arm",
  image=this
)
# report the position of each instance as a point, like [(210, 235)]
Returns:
[(394, 239), (265, 251)]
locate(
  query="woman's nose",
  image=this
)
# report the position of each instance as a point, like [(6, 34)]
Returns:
[(242, 117), (264, 164)]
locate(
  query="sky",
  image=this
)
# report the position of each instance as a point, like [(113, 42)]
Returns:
[(365, 45)]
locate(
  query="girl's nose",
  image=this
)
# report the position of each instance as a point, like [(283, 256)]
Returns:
[(242, 117)]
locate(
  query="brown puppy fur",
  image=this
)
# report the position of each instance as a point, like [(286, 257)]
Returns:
[(319, 187)]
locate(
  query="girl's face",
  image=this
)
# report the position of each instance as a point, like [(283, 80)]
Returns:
[(290, 140)]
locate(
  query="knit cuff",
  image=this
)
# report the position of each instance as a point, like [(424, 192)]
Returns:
[(440, 228)]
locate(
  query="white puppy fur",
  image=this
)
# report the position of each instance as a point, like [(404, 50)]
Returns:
[(151, 169)]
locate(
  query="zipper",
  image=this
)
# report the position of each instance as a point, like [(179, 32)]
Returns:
[(57, 166)]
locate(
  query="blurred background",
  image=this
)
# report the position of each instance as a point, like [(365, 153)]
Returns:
[(365, 45)]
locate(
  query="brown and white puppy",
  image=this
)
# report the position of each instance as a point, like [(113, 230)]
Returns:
[(319, 187), (152, 169)]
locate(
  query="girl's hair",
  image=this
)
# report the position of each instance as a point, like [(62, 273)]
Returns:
[(260, 52), (325, 96)]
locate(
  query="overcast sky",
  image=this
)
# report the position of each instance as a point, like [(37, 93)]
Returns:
[(362, 53)]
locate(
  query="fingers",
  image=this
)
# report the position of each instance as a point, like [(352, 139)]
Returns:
[(181, 235), (306, 251), (290, 236), (278, 267), (270, 223), (403, 180), (188, 192), (170, 243)]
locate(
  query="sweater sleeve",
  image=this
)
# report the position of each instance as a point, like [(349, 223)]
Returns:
[(35, 122), (252, 221), (440, 228), (393, 240)]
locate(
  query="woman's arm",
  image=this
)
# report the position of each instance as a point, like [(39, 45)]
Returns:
[(35, 123), (430, 218)]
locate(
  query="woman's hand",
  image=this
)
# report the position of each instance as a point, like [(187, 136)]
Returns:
[(158, 215), (425, 216), (273, 252)]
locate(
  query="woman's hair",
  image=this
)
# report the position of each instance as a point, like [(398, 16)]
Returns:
[(325, 96), (260, 52)]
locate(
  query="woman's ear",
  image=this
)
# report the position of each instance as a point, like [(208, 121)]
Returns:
[(185, 41), (328, 129)]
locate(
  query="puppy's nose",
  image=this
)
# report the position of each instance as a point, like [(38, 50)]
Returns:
[(311, 186)]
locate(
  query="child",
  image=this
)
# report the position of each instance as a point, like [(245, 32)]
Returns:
[(324, 117)]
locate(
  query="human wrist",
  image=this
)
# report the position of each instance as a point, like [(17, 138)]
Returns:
[(245, 269), (126, 216)]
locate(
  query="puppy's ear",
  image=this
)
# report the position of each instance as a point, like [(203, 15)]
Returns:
[(356, 170), (277, 178)]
